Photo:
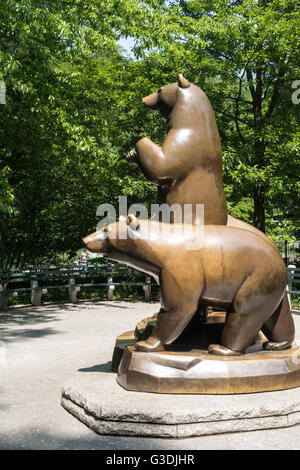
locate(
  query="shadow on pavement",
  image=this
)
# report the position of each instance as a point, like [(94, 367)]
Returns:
[(32, 439), (98, 368), (14, 318)]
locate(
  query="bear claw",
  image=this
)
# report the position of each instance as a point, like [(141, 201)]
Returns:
[(222, 350), (277, 346), (150, 345), (132, 156)]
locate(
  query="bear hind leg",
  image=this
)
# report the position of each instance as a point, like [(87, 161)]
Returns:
[(279, 328), (238, 333), (249, 313)]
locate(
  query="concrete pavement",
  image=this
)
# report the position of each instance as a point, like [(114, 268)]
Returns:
[(44, 347)]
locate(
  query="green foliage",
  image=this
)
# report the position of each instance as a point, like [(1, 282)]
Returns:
[(7, 192), (295, 301), (244, 55), (73, 110), (63, 128)]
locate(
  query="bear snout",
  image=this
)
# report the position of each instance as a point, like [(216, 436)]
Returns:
[(94, 242), (151, 101)]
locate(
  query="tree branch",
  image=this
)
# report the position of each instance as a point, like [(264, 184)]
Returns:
[(230, 116), (236, 114), (267, 88), (277, 87), (232, 98), (250, 83)]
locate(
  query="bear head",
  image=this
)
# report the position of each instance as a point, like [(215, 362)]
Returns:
[(165, 98), (112, 236)]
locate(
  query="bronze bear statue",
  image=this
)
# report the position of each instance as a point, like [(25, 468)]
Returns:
[(188, 166), (228, 267)]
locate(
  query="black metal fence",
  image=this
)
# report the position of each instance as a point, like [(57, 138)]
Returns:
[(290, 252), (38, 281)]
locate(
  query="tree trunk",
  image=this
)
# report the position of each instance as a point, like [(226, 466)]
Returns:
[(259, 208), (259, 152)]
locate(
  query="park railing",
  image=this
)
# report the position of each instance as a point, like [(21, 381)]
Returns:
[(38, 280), (293, 281), (290, 252)]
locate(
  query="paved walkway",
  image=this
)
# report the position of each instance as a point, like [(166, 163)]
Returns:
[(42, 348)]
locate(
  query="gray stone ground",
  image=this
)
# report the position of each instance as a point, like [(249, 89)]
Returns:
[(44, 347)]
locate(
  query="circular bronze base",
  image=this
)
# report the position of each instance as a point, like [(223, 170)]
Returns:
[(197, 372), (185, 367)]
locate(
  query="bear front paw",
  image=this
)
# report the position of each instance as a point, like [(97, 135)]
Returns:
[(132, 156), (222, 350), (150, 345), (277, 346)]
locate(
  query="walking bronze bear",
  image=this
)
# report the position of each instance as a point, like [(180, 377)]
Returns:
[(224, 266)]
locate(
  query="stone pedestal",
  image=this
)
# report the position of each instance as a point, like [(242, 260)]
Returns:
[(196, 393), (101, 404)]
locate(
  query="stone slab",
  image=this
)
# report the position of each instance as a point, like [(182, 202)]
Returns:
[(105, 407), (56, 344)]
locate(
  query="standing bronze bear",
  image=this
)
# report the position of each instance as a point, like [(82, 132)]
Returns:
[(188, 166)]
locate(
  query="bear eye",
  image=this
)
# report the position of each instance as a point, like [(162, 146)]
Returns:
[(105, 229)]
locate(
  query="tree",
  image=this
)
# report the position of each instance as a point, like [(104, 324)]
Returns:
[(244, 56), (64, 72), (73, 109)]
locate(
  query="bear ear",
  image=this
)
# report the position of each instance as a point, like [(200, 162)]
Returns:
[(182, 81), (132, 221)]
